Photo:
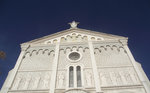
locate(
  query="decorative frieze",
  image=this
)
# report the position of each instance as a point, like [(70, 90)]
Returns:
[(31, 81), (74, 37), (118, 77)]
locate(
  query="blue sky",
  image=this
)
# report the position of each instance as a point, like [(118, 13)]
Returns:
[(25, 20)]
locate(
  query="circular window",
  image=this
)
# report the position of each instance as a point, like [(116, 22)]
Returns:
[(74, 56)]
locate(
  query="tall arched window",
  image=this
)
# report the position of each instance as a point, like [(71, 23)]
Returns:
[(75, 73), (71, 79), (79, 84)]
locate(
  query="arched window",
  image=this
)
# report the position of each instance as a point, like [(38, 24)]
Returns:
[(71, 79), (79, 84), (75, 73)]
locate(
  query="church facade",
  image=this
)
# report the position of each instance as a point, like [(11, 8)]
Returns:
[(76, 61)]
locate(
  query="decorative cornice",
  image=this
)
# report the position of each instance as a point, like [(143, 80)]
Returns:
[(77, 30), (123, 41)]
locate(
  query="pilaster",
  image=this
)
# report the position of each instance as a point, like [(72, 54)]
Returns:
[(54, 68), (95, 72)]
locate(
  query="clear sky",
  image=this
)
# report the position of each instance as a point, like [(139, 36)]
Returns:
[(25, 20)]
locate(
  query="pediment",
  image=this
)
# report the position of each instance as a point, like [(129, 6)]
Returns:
[(74, 35)]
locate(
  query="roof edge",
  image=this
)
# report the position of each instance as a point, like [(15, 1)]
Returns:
[(73, 30)]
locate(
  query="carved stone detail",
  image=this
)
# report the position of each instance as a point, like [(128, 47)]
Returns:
[(61, 80), (45, 80), (88, 79), (118, 77), (34, 82), (105, 79), (31, 81), (16, 82)]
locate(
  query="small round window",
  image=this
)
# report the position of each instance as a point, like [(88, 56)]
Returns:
[(74, 56)]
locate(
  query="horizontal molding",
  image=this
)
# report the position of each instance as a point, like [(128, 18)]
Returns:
[(42, 90), (101, 67), (122, 87), (32, 70)]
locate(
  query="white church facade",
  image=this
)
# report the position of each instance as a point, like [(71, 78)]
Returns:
[(76, 61)]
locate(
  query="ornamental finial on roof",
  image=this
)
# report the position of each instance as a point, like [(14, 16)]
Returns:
[(73, 24)]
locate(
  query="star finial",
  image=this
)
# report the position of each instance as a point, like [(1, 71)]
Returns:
[(73, 24)]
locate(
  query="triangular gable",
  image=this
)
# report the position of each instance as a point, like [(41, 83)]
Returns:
[(70, 34)]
